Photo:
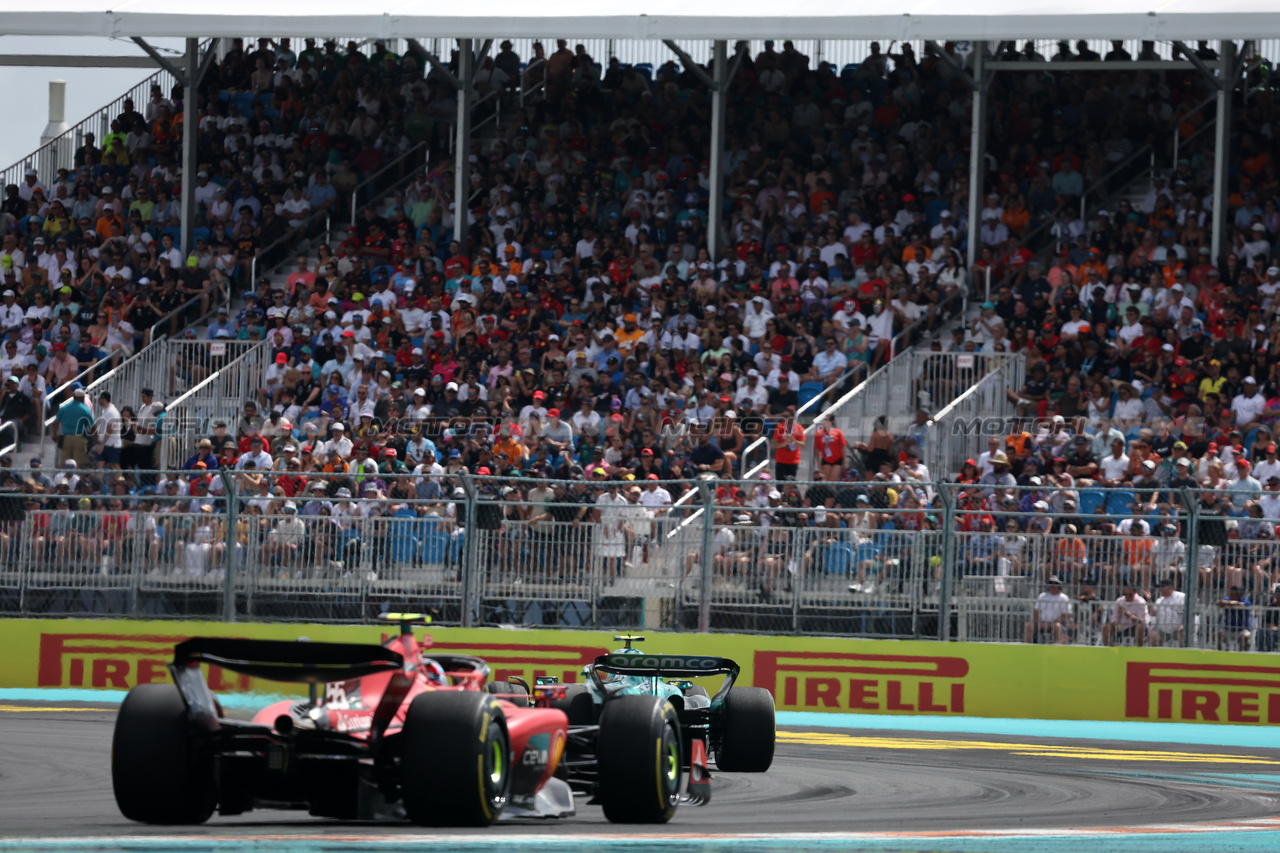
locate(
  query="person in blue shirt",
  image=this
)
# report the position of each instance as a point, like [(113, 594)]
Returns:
[(73, 423), (221, 327), (1236, 617)]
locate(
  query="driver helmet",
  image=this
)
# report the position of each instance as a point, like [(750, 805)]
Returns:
[(434, 672)]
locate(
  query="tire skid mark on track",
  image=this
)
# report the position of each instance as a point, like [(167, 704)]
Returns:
[(1039, 750), (814, 791)]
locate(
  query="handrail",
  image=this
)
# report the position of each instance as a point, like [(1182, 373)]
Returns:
[(46, 423), (181, 398), (355, 192), (859, 367), (121, 366), (253, 264), (11, 426), (1101, 182), (747, 475), (151, 333), (524, 91), (56, 154), (1051, 221), (1177, 140)]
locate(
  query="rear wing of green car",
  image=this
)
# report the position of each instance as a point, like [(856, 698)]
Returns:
[(667, 666)]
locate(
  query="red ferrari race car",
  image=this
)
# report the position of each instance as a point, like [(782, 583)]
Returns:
[(393, 732)]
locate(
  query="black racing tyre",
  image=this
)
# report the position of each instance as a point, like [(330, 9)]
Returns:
[(455, 759), (577, 705), (639, 759), (157, 772), (747, 731), (507, 688)]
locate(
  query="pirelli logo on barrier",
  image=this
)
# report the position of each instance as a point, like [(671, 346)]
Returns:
[(1202, 693), (833, 681), (116, 662), (529, 661)]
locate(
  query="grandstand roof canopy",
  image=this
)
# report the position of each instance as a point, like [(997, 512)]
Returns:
[(1161, 20)]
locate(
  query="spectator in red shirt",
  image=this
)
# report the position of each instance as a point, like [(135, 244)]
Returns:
[(788, 445)]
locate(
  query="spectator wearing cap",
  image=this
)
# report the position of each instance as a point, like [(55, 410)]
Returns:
[(17, 406), (1248, 406), (1235, 620), (1051, 615)]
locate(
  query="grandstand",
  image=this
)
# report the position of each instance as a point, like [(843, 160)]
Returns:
[(938, 317)]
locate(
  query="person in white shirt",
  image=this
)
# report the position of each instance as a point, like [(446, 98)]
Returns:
[(586, 420), (1167, 614), (337, 441), (108, 432), (11, 314), (753, 394), (654, 497), (1128, 618), (1114, 468), (757, 318), (1052, 613), (880, 325), (1248, 405), (847, 315), (1270, 500)]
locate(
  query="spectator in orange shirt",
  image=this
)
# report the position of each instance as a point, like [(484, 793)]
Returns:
[(1070, 556), (1016, 216), (629, 335), (832, 446)]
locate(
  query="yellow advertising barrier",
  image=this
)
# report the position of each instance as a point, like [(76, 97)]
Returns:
[(803, 673)]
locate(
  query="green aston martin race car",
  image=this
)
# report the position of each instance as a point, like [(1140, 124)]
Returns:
[(736, 724)]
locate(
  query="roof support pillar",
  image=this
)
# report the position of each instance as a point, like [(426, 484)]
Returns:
[(462, 164), (715, 176), (190, 125), (1221, 143), (977, 148)]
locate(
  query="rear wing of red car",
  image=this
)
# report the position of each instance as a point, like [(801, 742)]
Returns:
[(274, 660), (281, 660)]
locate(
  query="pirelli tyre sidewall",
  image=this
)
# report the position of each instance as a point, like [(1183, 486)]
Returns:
[(639, 754), (159, 772), (745, 731), (455, 759), (508, 690)]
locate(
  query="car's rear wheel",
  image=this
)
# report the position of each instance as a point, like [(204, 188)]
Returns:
[(577, 705), (509, 691), (747, 731), (455, 759), (639, 757), (157, 772)]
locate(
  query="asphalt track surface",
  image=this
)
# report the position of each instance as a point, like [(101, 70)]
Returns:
[(55, 781)]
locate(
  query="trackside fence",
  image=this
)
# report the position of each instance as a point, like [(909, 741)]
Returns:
[(882, 558)]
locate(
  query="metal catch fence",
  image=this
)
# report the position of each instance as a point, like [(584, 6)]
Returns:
[(876, 559)]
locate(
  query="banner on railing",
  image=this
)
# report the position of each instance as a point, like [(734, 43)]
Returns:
[(803, 673)]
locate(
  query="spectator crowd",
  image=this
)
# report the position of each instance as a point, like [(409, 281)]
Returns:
[(581, 330)]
